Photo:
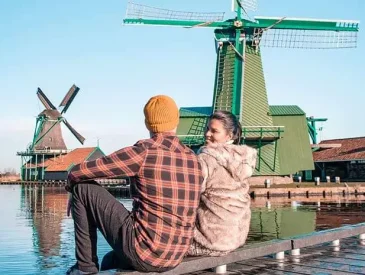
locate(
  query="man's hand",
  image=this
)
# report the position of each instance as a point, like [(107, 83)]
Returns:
[(69, 205), (69, 186)]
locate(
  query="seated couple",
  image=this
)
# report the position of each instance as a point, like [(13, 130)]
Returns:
[(183, 204)]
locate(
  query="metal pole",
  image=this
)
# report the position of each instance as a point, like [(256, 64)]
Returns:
[(26, 169), (237, 62), (43, 168), (36, 168), (21, 168)]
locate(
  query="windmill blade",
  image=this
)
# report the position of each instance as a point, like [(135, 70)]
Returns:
[(69, 97), (45, 101), (304, 39), (247, 5), (74, 132), (305, 33), (142, 14)]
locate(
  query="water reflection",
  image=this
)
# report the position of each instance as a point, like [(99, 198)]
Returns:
[(36, 236), (283, 217), (46, 208)]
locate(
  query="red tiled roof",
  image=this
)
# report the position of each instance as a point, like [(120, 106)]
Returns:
[(351, 149), (40, 164), (64, 162)]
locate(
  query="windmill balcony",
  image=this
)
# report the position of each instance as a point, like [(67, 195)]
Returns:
[(43, 152), (254, 134)]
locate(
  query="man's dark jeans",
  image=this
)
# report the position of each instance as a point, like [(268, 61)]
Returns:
[(94, 208)]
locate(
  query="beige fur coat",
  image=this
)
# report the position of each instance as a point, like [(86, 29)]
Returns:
[(223, 217)]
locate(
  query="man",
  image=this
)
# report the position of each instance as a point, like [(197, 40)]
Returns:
[(165, 188)]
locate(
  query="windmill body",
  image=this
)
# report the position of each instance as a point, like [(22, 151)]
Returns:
[(50, 131), (47, 140), (280, 133)]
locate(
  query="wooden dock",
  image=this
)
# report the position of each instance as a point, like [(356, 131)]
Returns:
[(104, 182), (336, 251)]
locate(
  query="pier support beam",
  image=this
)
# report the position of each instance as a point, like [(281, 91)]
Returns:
[(335, 243), (362, 237), (295, 252), (280, 255), (221, 269)]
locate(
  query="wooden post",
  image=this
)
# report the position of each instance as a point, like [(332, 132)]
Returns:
[(337, 180), (328, 179), (317, 181), (267, 183)]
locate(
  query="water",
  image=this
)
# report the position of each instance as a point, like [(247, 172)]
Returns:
[(36, 236)]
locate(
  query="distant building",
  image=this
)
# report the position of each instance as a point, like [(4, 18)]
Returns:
[(57, 168), (344, 158)]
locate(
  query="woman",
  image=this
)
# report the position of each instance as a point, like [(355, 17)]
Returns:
[(224, 214)]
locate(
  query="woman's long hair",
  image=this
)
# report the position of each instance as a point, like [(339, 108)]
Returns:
[(230, 123)]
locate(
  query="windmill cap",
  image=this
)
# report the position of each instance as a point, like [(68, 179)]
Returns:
[(161, 114)]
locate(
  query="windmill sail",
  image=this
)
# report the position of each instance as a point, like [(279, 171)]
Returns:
[(141, 14), (69, 97), (46, 102), (74, 132), (305, 33), (247, 5)]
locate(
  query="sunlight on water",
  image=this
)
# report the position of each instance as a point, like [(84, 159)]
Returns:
[(36, 236)]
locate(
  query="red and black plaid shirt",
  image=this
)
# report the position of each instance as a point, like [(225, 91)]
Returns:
[(165, 192)]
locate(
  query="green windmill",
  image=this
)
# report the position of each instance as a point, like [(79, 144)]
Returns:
[(280, 133)]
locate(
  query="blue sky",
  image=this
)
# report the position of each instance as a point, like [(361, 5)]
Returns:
[(54, 44)]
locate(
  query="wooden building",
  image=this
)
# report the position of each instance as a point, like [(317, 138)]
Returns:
[(57, 168), (344, 158)]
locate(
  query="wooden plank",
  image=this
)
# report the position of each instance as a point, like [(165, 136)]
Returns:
[(192, 264), (317, 256)]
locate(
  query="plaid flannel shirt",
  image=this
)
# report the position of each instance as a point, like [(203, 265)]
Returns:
[(165, 192)]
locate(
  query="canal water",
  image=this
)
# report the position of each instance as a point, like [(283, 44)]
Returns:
[(36, 236)]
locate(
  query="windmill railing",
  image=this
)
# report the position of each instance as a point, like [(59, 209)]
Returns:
[(192, 140), (43, 152), (258, 136)]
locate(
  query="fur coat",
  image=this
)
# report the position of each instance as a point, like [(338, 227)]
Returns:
[(223, 216)]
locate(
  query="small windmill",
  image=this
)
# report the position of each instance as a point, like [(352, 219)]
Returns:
[(48, 134), (47, 139), (239, 80)]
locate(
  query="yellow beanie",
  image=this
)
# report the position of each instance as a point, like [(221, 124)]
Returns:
[(161, 114)]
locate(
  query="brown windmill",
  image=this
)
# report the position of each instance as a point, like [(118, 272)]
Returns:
[(48, 134), (48, 142)]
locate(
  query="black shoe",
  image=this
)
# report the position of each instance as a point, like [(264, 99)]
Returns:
[(110, 261), (74, 270)]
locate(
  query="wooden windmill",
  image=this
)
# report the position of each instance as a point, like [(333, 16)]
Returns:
[(239, 80), (47, 140), (47, 134)]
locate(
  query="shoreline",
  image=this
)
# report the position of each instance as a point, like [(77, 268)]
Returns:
[(292, 190)]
